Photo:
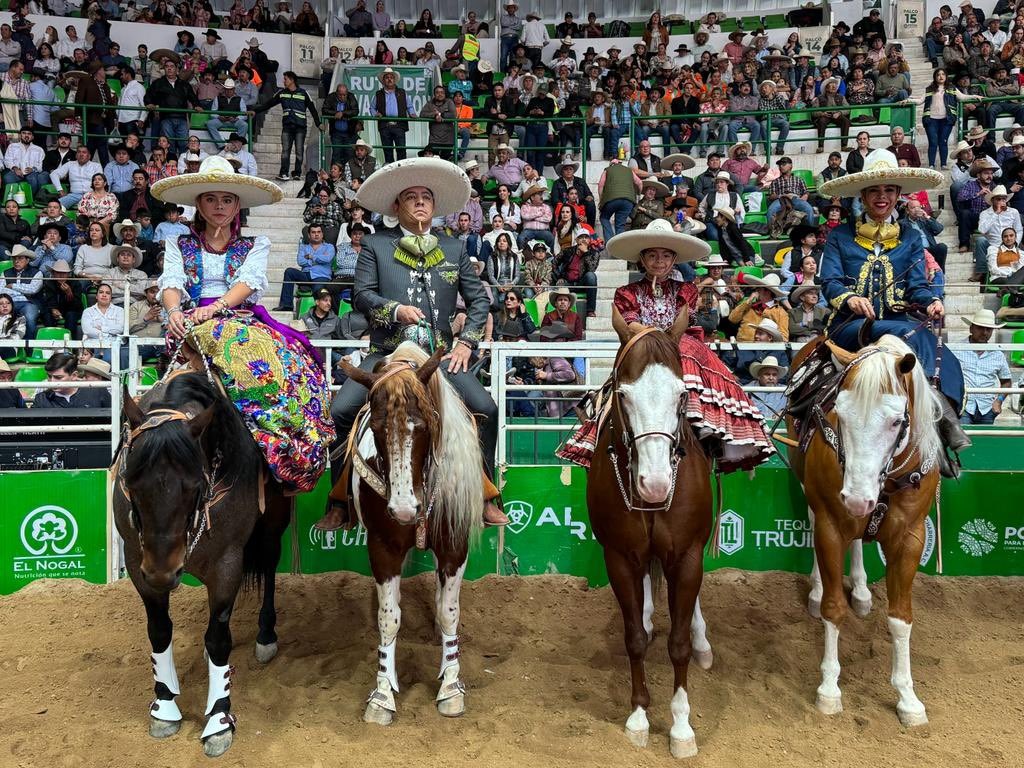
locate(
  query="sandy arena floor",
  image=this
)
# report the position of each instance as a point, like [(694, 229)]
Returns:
[(548, 681)]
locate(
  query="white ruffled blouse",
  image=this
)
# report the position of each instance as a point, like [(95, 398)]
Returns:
[(253, 271)]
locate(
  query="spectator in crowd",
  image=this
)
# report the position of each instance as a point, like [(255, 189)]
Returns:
[(991, 223), (789, 186), (734, 247), (508, 170), (131, 102), (145, 319), (294, 103), (51, 247), (536, 217), (99, 204), (440, 110), (902, 149), (892, 85), (563, 300), (512, 310), (617, 189), (79, 172), (98, 113), (390, 101), (124, 271), (510, 26), (172, 226), (984, 368), (568, 180), (762, 303), (14, 230), (747, 172), (24, 161), (349, 250), (53, 214), (118, 172), (12, 328), (830, 97), (929, 227), (768, 373), (173, 94), (315, 260), (723, 196), (342, 107), (325, 212), (973, 199), (576, 266), (9, 398), (92, 259), (138, 198), (770, 101), (63, 368), (104, 321), (159, 165), (228, 101), (807, 317), (537, 273), (62, 298)]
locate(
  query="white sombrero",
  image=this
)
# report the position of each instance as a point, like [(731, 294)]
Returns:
[(449, 184), (769, 362), (668, 160), (881, 167), (658, 234), (984, 318), (217, 174)]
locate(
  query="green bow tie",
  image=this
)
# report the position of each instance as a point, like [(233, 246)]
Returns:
[(419, 245)]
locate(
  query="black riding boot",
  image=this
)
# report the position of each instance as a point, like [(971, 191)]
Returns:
[(954, 440)]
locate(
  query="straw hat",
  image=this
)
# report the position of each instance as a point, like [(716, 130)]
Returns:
[(1016, 141), (961, 146), (657, 186), (658, 234), (737, 147), (984, 163), (770, 361), (716, 260), (136, 255), (977, 132), (535, 189), (560, 290), (669, 160), (984, 318), (4, 367), (386, 71), (96, 367), (724, 176), (484, 66), (727, 213), (448, 183), (771, 281), (217, 174), (881, 167), (800, 290), (997, 191)]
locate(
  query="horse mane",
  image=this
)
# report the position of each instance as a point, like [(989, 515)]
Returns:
[(173, 444), (878, 373), (458, 461), (659, 348)]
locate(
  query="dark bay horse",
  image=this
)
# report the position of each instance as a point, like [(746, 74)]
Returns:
[(187, 495), (649, 497), (878, 446), (417, 482)]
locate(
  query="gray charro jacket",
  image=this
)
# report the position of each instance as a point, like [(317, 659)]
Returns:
[(387, 276)]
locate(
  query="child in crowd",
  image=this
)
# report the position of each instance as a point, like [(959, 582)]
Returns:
[(171, 226)]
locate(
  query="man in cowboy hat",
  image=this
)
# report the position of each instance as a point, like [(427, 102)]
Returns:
[(973, 199), (62, 297), (227, 101), (807, 314), (9, 398), (873, 271), (991, 223), (390, 101), (760, 304), (983, 368), (215, 52), (769, 373), (563, 300), (234, 149), (1000, 85), (747, 171), (981, 142), (510, 26), (534, 36), (407, 283), (145, 319), (125, 261)]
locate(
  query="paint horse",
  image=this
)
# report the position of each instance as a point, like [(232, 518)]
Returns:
[(870, 470), (187, 495), (417, 482), (649, 499)]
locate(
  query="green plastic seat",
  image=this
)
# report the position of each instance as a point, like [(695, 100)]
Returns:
[(17, 357), (5, 265), (30, 374), (31, 215), (40, 355), (148, 376), (532, 310), (305, 304), (22, 187), (199, 120), (807, 176), (714, 246), (798, 117), (754, 218)]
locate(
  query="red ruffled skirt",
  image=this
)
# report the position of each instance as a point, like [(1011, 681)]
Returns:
[(724, 418)]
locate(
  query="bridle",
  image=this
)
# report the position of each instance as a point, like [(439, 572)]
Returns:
[(211, 491), (629, 439)]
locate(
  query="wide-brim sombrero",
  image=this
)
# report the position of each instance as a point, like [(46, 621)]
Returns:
[(881, 167), (217, 174), (669, 160), (658, 187), (447, 181), (658, 234)]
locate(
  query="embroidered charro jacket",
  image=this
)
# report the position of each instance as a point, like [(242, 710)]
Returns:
[(883, 264), (390, 273)]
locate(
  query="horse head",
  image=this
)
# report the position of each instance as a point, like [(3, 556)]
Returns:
[(404, 421), (650, 402), (166, 483), (886, 409)]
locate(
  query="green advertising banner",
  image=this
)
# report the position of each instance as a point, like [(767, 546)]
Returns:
[(417, 82), (53, 525)]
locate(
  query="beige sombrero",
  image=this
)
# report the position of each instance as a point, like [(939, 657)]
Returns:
[(668, 160), (769, 362), (217, 174), (737, 147), (449, 184), (658, 234), (660, 189), (984, 318), (881, 167)]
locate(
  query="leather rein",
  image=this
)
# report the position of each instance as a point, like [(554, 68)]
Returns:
[(630, 439)]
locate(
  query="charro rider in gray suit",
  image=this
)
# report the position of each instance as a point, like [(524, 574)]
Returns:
[(406, 284)]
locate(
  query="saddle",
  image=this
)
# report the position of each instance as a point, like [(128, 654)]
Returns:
[(814, 385)]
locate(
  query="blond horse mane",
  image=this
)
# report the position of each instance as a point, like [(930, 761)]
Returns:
[(458, 463)]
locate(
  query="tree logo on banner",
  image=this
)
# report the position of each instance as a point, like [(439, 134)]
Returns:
[(978, 537), (49, 530), (520, 513)]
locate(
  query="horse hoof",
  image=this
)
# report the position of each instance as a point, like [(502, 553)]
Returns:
[(703, 659), (814, 608), (912, 719), (829, 705), (861, 607), (217, 744), (378, 715), (683, 747), (453, 707), (161, 729), (265, 653), (638, 738)]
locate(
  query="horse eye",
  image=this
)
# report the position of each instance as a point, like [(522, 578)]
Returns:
[(897, 424)]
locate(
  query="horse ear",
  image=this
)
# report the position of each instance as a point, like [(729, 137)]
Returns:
[(425, 371), (131, 409), (366, 378), (622, 329), (198, 424), (682, 322), (906, 363)]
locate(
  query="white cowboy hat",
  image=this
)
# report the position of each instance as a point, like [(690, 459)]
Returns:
[(962, 146), (485, 66), (770, 361), (826, 81), (469, 165), (658, 234), (136, 254), (448, 183), (737, 147), (727, 213), (253, 42), (96, 367), (724, 176), (126, 224), (217, 174), (800, 290), (386, 71), (669, 160), (997, 191), (770, 281), (984, 318), (229, 83), (660, 189), (716, 260), (1017, 140), (881, 167)]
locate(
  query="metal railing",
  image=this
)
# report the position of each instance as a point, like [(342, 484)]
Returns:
[(961, 117)]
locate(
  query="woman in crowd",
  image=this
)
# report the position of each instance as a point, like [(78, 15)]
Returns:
[(381, 18), (92, 259), (512, 310), (382, 54), (307, 22), (502, 265), (940, 109), (99, 204), (506, 208), (104, 321), (426, 27), (12, 328), (565, 227)]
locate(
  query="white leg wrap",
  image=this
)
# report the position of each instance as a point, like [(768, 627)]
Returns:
[(165, 672), (386, 664), (451, 685), (829, 695), (449, 652), (909, 707), (219, 687), (648, 615)]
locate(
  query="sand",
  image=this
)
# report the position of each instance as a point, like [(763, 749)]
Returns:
[(546, 670)]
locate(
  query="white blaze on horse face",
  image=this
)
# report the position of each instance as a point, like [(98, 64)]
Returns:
[(403, 503), (869, 433), (651, 404)]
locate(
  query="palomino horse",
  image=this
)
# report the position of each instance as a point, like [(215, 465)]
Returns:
[(649, 497), (188, 496), (871, 468), (417, 482)]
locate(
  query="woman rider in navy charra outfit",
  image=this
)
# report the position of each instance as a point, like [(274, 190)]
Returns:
[(873, 269)]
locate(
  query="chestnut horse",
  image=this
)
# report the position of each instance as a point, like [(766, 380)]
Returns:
[(187, 496), (418, 482), (649, 499), (871, 467)]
